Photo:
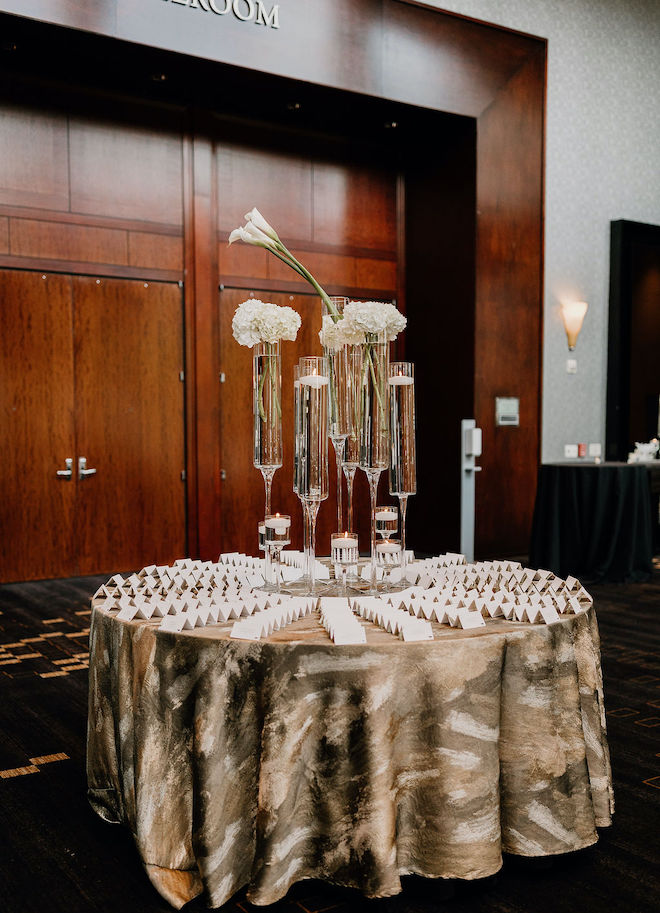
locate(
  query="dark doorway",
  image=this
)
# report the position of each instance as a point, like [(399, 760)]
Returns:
[(633, 372)]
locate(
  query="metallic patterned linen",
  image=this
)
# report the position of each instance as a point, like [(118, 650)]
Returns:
[(263, 763)]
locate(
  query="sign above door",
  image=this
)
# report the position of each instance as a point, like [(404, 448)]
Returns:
[(254, 11)]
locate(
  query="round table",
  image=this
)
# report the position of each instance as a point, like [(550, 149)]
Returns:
[(262, 763)]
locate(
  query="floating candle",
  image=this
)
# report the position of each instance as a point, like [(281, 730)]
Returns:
[(278, 523), (314, 380), (346, 542), (401, 380), (386, 514), (387, 545)]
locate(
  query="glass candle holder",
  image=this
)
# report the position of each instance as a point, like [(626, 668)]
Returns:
[(335, 353), (311, 445), (277, 534), (344, 554), (268, 567), (387, 520), (388, 556)]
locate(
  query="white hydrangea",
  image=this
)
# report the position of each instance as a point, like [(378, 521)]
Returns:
[(332, 334), (258, 321), (372, 317)]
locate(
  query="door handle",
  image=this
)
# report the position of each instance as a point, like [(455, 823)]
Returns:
[(83, 471), (66, 474)]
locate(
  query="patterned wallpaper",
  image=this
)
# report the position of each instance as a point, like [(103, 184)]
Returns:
[(602, 164)]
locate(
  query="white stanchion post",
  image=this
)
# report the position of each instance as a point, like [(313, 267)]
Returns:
[(470, 450)]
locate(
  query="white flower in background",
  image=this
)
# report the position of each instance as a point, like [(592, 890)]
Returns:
[(261, 321), (371, 318)]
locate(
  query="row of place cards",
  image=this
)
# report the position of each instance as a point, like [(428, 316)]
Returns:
[(448, 591)]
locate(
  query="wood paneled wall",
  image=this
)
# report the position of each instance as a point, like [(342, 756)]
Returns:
[(508, 325), (85, 195), (135, 188)]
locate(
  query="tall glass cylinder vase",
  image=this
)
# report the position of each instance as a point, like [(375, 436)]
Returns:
[(351, 461), (297, 449), (403, 463), (331, 315), (267, 411), (311, 444), (374, 425)]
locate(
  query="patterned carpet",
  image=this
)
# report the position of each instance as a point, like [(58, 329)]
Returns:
[(57, 855)]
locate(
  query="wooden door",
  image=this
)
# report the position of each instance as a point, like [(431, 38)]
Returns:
[(129, 423), (36, 426)]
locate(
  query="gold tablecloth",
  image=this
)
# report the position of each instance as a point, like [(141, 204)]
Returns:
[(262, 763)]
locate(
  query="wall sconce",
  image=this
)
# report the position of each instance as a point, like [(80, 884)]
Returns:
[(572, 313)]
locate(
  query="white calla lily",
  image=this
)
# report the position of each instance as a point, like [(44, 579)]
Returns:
[(257, 231), (238, 234), (256, 235), (257, 219)]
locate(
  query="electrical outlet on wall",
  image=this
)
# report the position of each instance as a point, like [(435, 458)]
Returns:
[(595, 450), (571, 365), (570, 451)]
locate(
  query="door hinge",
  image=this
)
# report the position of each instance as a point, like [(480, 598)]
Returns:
[(183, 475), (180, 283), (182, 376), (223, 377), (223, 474)]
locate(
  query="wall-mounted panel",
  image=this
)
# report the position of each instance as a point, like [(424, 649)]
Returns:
[(279, 185), (155, 251), (240, 259), (355, 206), (126, 172), (370, 273), (34, 165), (57, 241)]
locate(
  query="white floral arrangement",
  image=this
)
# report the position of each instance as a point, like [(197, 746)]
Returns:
[(373, 318), (361, 320), (259, 232), (258, 321)]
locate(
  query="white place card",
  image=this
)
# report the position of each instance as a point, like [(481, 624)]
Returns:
[(176, 623), (549, 614), (466, 619)]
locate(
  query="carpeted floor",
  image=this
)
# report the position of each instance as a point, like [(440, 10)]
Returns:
[(57, 855)]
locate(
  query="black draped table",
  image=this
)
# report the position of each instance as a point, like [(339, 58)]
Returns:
[(261, 763), (593, 520)]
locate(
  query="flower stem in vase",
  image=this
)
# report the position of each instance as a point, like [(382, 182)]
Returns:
[(338, 443), (311, 513), (373, 475), (268, 472), (267, 412), (349, 471), (403, 505)]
